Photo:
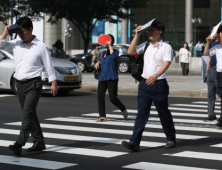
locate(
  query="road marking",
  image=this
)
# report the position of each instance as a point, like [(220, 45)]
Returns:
[(197, 155), (131, 124), (217, 145), (71, 150), (216, 103), (110, 131), (158, 166), (173, 113), (192, 105), (84, 138), (186, 109), (6, 95), (36, 163), (155, 119)]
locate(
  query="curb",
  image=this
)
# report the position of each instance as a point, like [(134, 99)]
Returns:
[(133, 91)]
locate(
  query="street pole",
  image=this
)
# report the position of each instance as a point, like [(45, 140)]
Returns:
[(11, 11)]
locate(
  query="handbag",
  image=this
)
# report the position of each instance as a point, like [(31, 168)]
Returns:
[(137, 68), (96, 73)]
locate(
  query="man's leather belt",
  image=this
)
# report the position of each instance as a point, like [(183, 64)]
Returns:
[(28, 80)]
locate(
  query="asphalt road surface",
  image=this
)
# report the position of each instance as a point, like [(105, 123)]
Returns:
[(76, 142)]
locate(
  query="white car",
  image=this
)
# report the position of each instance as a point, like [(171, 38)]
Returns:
[(68, 75)]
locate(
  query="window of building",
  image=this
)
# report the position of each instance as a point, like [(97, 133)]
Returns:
[(201, 3)]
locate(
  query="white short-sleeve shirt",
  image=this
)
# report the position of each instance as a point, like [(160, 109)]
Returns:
[(185, 54), (217, 50), (154, 58)]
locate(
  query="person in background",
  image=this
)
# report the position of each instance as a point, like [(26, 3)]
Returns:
[(153, 88), (96, 54), (31, 55), (191, 47), (54, 51), (185, 55), (108, 79)]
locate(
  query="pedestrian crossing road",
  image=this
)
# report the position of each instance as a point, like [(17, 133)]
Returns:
[(79, 142)]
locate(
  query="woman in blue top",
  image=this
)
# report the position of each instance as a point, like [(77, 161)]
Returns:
[(108, 79)]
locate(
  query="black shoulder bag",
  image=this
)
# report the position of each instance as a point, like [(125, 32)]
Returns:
[(137, 69)]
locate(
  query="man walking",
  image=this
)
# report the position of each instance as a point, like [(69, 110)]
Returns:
[(217, 50), (153, 87), (31, 55), (211, 75)]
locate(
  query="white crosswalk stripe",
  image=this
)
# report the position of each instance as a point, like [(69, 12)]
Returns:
[(180, 114), (197, 155), (153, 118), (71, 150), (157, 166), (35, 163), (131, 124), (112, 131), (84, 138), (188, 119)]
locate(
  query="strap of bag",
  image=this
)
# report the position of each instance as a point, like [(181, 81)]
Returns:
[(147, 44)]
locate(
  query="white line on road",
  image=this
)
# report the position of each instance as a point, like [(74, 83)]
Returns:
[(36, 163), (198, 155), (71, 150), (192, 105), (155, 119), (110, 131), (158, 166), (173, 113), (131, 124), (84, 138)]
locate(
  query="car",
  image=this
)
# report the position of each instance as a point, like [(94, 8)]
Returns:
[(68, 75), (125, 61)]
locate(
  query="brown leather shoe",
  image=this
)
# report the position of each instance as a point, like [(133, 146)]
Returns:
[(37, 146)]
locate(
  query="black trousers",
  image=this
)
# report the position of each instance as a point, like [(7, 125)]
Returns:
[(29, 93), (185, 69), (112, 87), (158, 94), (219, 92)]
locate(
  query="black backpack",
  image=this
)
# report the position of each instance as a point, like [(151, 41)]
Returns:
[(137, 69)]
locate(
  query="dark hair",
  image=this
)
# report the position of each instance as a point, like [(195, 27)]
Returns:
[(158, 25), (25, 22), (219, 29), (187, 46), (112, 38)]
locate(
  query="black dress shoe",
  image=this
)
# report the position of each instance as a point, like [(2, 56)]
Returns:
[(219, 124), (16, 149), (210, 118), (37, 146), (130, 145), (170, 144)]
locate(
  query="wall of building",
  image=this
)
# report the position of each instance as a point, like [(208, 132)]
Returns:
[(172, 14)]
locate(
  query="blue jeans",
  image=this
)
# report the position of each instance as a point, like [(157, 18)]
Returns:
[(158, 94)]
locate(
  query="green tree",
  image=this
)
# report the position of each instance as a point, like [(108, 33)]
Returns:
[(83, 12), (4, 11)]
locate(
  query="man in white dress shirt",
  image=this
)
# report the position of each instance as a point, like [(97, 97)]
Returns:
[(31, 55), (153, 87)]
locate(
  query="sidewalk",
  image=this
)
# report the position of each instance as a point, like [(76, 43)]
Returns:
[(180, 86)]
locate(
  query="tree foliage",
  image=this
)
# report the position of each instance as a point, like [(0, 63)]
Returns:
[(82, 13)]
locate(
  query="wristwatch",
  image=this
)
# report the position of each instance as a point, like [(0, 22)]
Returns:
[(156, 75)]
